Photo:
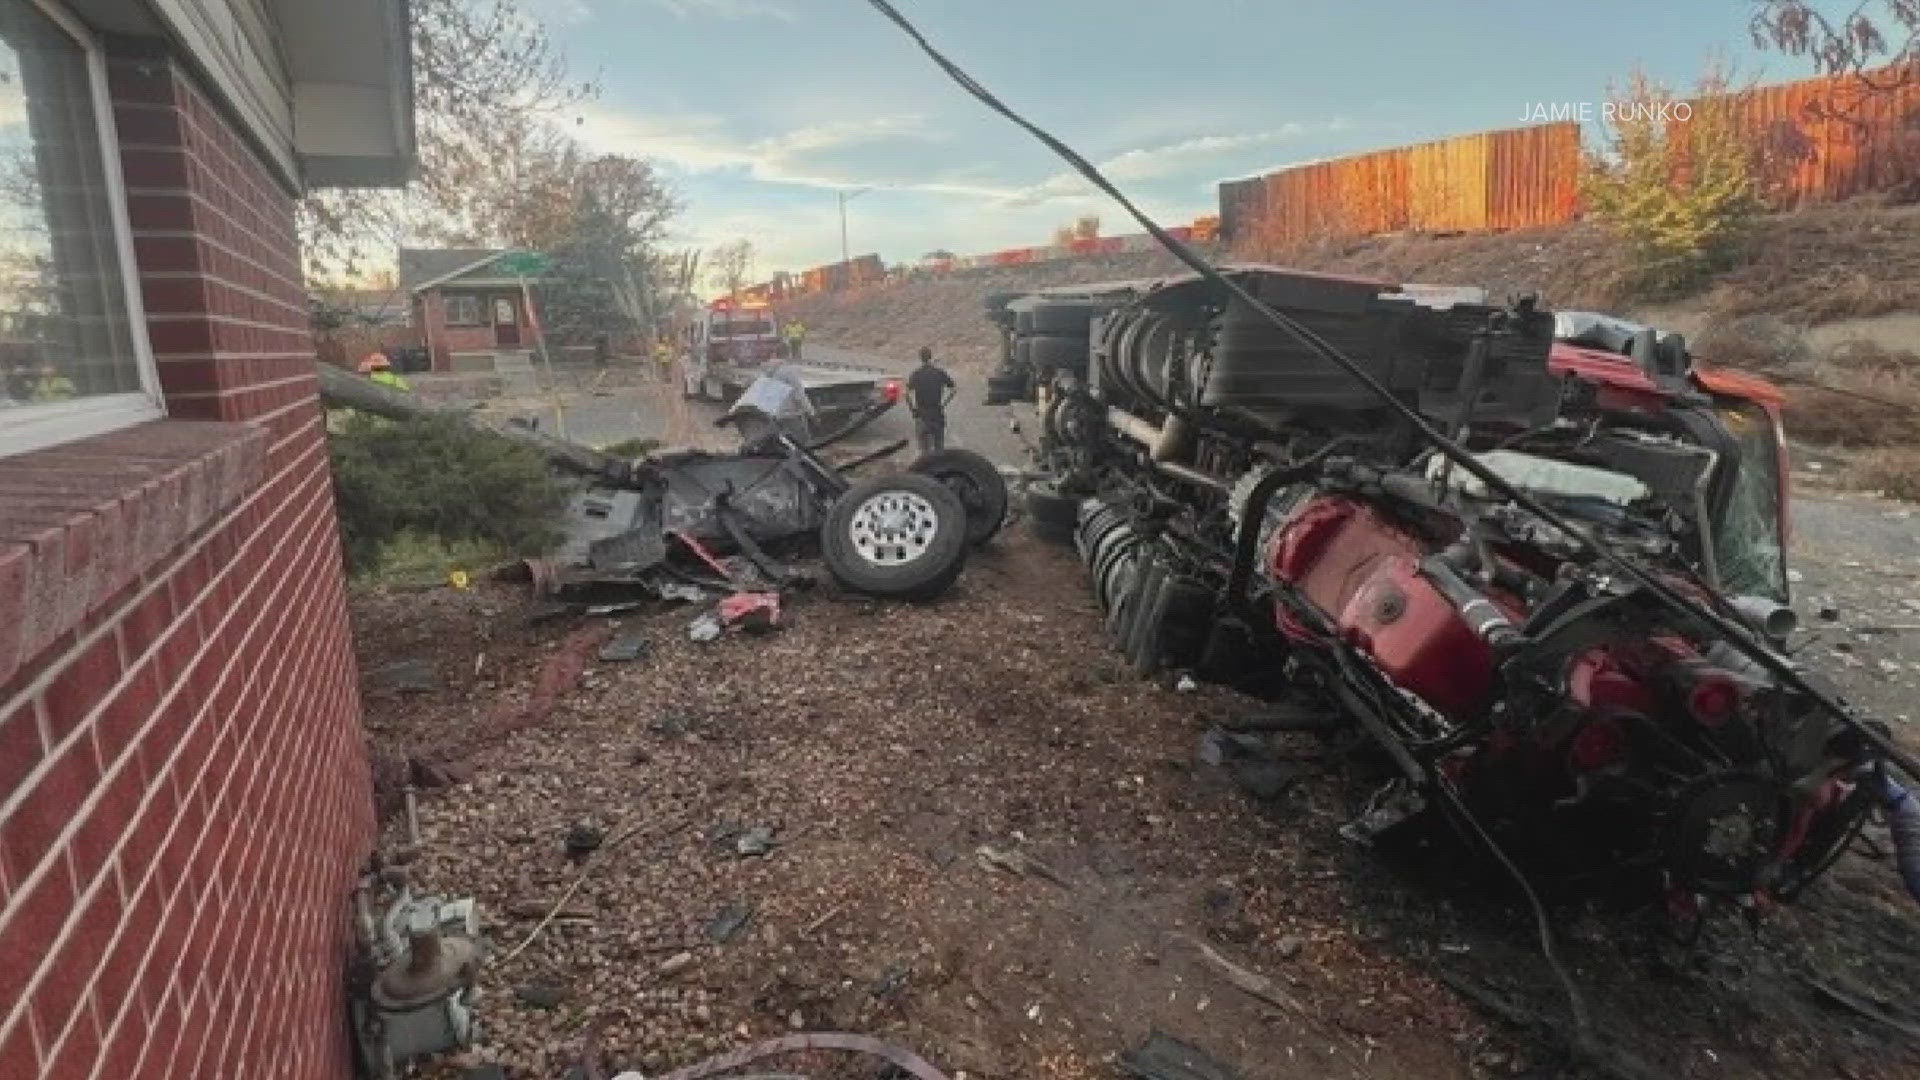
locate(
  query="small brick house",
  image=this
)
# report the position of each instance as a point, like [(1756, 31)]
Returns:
[(472, 313), (184, 798)]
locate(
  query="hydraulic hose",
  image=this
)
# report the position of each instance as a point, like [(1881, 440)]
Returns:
[(1903, 819)]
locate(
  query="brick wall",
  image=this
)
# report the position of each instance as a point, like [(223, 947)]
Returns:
[(183, 780)]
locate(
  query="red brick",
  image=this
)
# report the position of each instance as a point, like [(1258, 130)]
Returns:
[(144, 125), (145, 167), (121, 1054), (69, 966), (28, 833), (84, 683), (75, 1056), (102, 825), (163, 213), (17, 1049), (168, 1031), (28, 933), (170, 254), (21, 747)]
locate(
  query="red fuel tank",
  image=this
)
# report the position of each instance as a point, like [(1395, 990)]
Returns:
[(1362, 571)]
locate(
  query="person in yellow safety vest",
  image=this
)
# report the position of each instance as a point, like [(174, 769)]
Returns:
[(53, 386), (663, 356), (796, 332), (378, 368)]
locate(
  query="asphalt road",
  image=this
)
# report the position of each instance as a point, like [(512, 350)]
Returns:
[(653, 409)]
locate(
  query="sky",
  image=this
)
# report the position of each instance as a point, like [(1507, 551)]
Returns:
[(763, 113)]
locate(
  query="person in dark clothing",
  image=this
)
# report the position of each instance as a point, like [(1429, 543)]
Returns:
[(929, 389)]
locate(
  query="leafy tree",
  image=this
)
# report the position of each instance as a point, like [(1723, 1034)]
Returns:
[(1087, 228), (601, 219), (1679, 186)]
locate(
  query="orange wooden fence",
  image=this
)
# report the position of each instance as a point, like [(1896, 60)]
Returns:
[(1489, 180), (1839, 137)]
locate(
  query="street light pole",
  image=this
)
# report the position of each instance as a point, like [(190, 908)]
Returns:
[(846, 197)]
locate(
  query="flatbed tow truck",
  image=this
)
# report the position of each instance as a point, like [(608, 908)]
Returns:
[(725, 348)]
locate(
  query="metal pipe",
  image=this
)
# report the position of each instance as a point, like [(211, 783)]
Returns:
[(1133, 427), (1193, 476), (1175, 441)]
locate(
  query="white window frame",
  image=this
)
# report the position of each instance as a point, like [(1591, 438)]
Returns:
[(33, 427), (481, 310)]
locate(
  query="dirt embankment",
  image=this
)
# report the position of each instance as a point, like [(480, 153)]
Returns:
[(1845, 265), (1826, 301)]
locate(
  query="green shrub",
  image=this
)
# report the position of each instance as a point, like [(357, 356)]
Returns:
[(439, 478), (1680, 194)]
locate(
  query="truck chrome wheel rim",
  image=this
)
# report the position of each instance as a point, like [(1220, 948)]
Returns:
[(893, 527)]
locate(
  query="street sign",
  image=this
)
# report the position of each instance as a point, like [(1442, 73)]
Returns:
[(523, 264)]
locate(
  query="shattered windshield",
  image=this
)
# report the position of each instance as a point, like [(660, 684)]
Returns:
[(1747, 542)]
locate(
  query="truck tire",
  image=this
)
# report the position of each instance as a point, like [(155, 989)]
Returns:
[(902, 536), (1046, 351), (1049, 506), (976, 482), (1068, 318)]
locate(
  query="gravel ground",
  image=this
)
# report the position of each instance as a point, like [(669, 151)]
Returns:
[(884, 746)]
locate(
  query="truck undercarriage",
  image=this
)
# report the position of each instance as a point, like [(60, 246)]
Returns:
[(1253, 515)]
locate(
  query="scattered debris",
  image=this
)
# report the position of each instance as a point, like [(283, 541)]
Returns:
[(430, 774), (1163, 1057), (820, 923), (704, 627), (614, 609), (902, 1059), (1250, 761), (753, 612), (626, 647), (727, 923), (542, 995), (406, 677), (1879, 1012), (753, 842), (1019, 864), (1290, 945), (583, 839), (675, 964), (1245, 980)]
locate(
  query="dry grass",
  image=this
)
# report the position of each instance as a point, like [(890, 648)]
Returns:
[(1894, 472), (1850, 261)]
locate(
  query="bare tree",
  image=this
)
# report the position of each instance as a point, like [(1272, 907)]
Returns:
[(732, 266), (1876, 40), (488, 84), (1874, 44), (1086, 228)]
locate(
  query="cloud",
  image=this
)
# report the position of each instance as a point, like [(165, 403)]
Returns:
[(1183, 157), (729, 9), (876, 151)]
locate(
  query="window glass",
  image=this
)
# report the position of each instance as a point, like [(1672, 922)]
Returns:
[(65, 333), (463, 310), (1752, 559)]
